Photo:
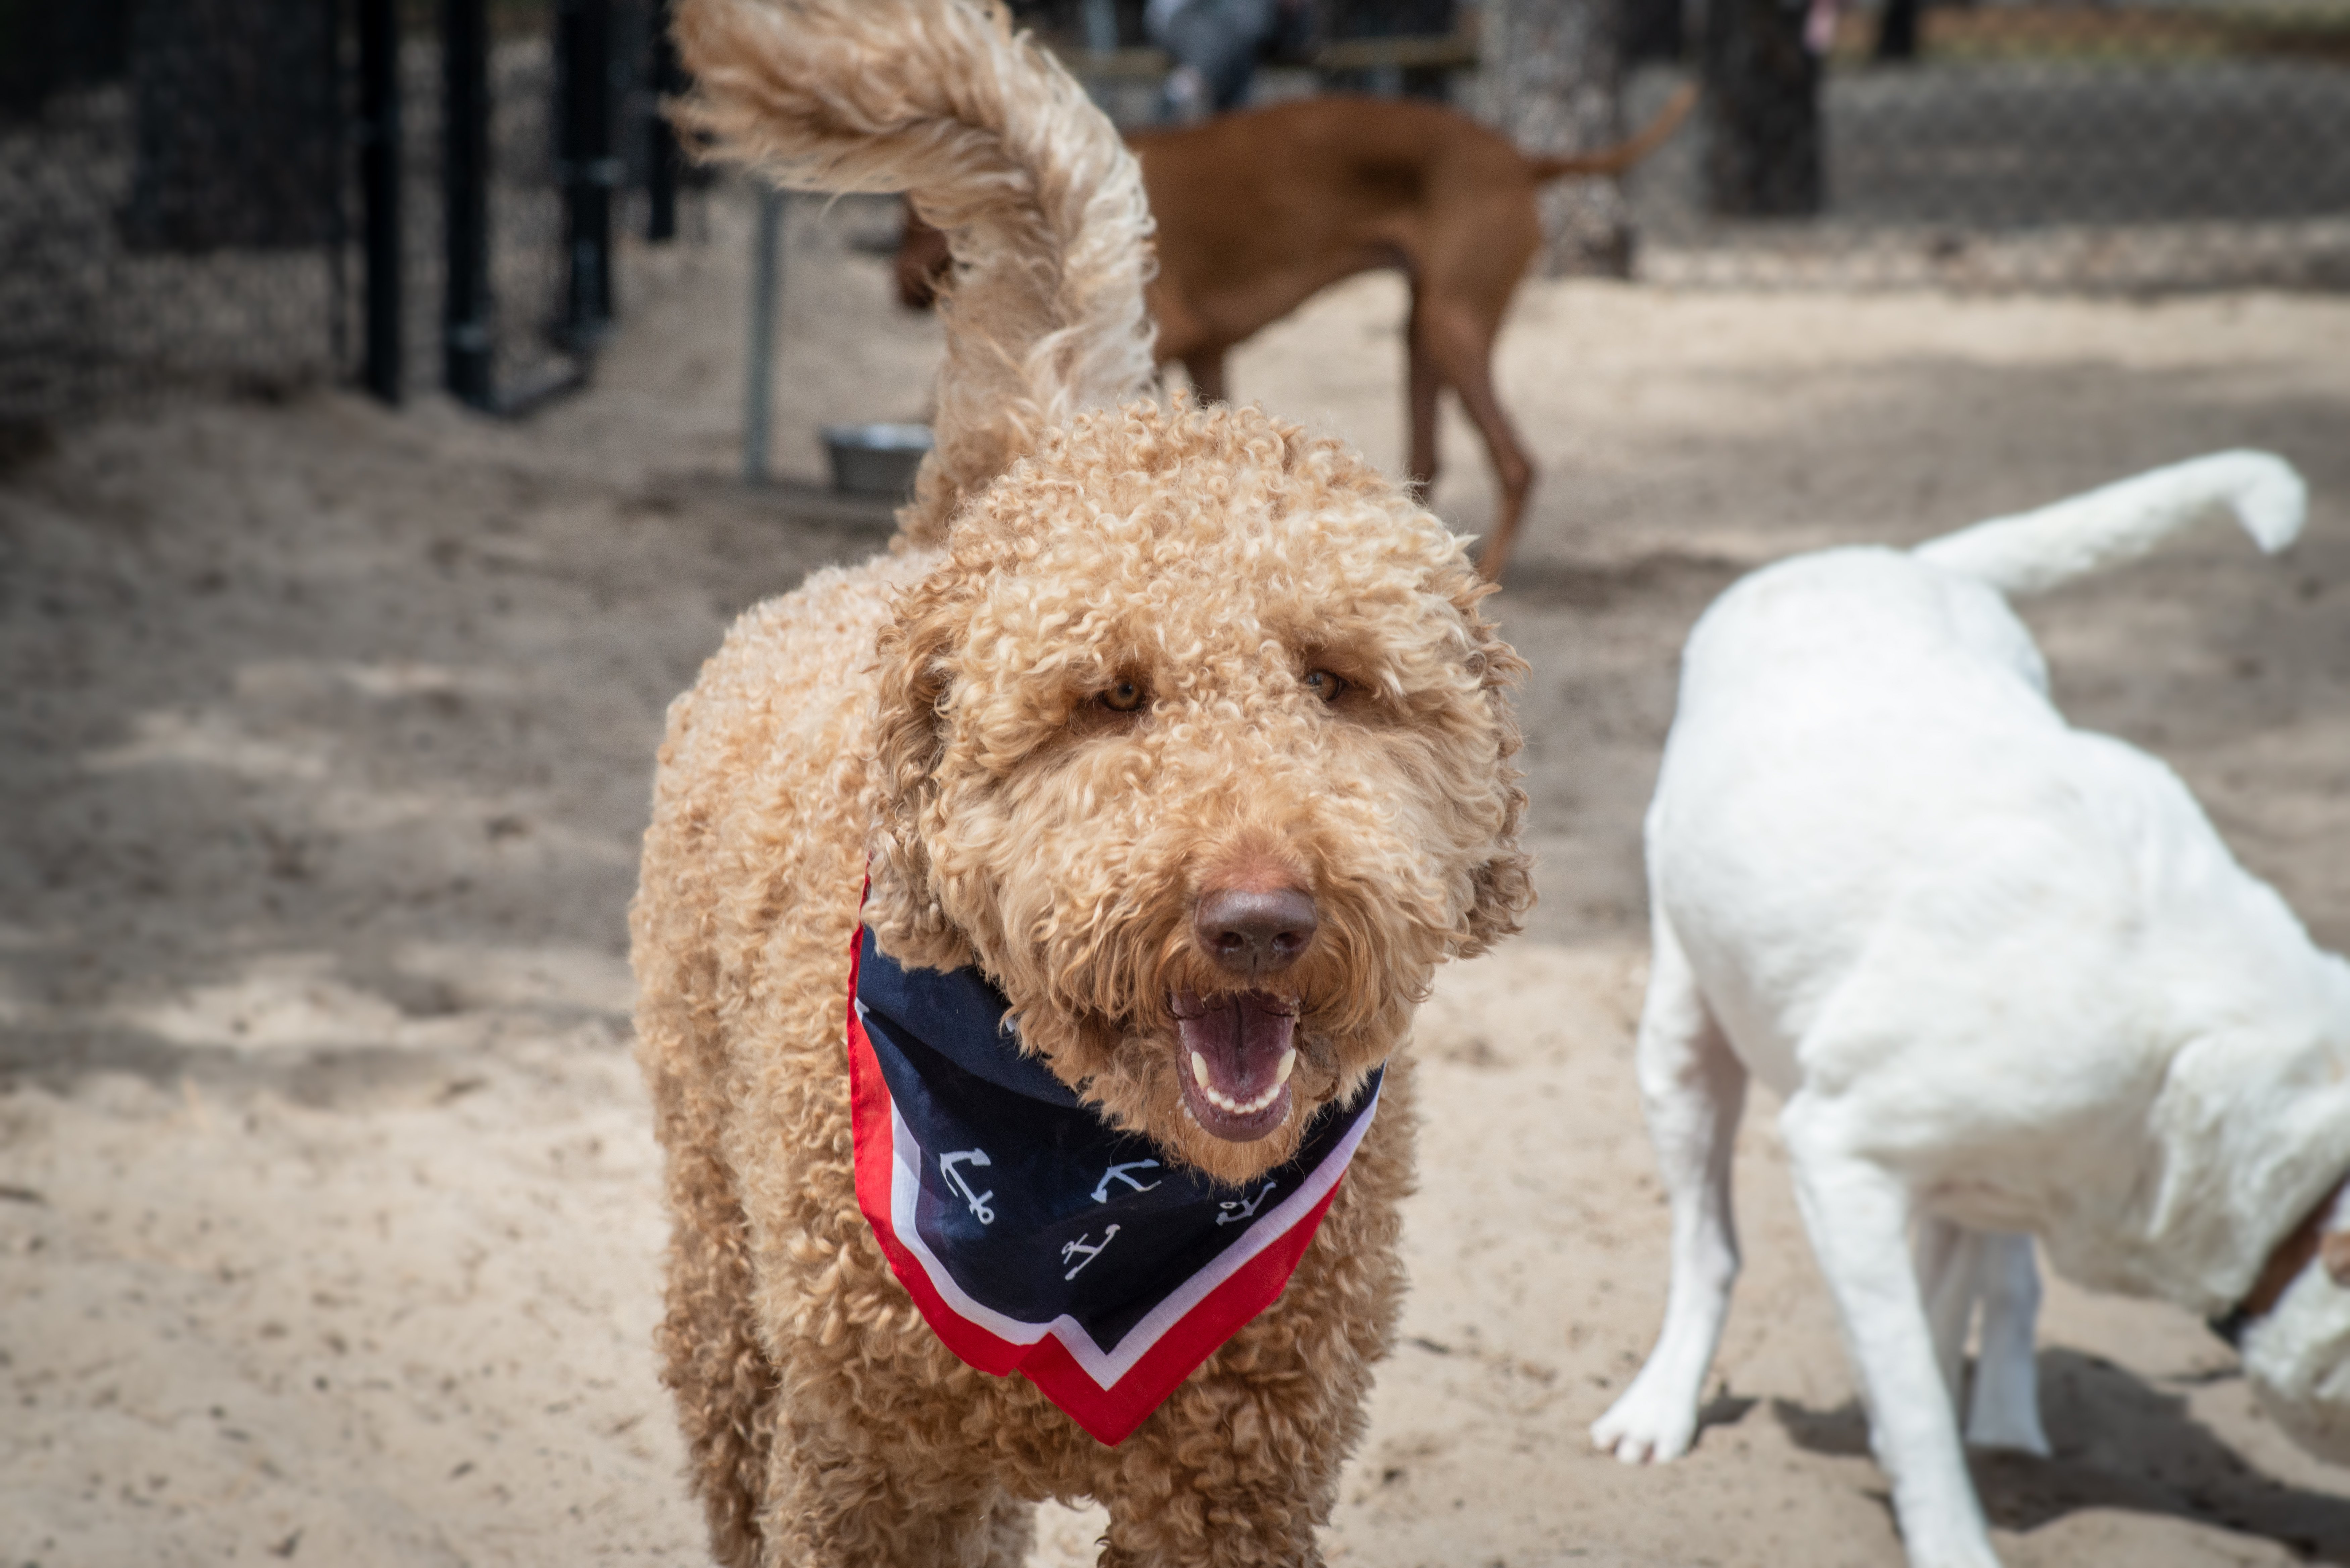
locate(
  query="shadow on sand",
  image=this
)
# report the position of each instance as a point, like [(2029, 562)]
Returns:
[(2122, 1443)]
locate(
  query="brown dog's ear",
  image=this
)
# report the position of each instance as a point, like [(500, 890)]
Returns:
[(1504, 889), (909, 738)]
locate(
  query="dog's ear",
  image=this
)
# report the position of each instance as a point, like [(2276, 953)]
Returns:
[(1503, 885), (1505, 891), (909, 738)]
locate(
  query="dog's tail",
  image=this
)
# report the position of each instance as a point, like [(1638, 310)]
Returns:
[(993, 143), (1625, 155), (2035, 551)]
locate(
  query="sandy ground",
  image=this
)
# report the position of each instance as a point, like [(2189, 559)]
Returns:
[(329, 1221)]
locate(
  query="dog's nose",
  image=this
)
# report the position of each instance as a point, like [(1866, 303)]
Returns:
[(1252, 933)]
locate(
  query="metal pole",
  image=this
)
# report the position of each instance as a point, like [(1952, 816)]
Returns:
[(590, 171), (336, 193), (1101, 26), (663, 165), (465, 341), (759, 388), (380, 192)]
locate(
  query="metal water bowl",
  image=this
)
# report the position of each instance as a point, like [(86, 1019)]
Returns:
[(876, 459)]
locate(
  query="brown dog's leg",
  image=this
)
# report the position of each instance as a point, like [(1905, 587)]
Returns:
[(1425, 382), (923, 263), (1206, 369), (1461, 346)]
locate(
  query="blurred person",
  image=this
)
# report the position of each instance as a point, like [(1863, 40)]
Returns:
[(1216, 44)]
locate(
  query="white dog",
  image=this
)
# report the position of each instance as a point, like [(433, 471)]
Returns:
[(2010, 984)]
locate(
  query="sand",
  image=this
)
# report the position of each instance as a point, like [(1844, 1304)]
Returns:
[(328, 1206)]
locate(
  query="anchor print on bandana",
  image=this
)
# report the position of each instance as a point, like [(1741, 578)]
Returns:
[(1233, 1212), (978, 1200), (1125, 1173), (1082, 1253)]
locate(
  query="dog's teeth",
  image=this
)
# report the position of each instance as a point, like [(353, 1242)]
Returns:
[(1238, 1107)]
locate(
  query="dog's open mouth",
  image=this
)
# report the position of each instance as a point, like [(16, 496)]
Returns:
[(1238, 1051)]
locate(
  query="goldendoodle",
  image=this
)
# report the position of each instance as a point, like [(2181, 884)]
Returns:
[(1166, 755)]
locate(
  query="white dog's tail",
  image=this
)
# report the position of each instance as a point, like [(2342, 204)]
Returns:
[(994, 144), (2034, 551)]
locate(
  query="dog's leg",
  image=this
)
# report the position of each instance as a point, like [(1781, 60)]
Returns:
[(708, 1339), (1424, 383), (847, 1493), (1011, 1533), (1949, 1263), (1957, 1269), (713, 1359), (1239, 1468), (1692, 1090), (1459, 344), (2004, 1412), (1857, 1214), (1205, 366)]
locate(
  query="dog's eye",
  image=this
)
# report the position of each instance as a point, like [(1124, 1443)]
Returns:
[(1325, 685), (1124, 697)]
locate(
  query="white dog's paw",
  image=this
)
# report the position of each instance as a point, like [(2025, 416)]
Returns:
[(2017, 1431), (1646, 1426), (1961, 1552)]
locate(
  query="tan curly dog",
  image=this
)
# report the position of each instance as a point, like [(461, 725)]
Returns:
[(1147, 713)]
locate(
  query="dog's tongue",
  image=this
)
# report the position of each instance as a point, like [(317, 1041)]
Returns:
[(1237, 1054)]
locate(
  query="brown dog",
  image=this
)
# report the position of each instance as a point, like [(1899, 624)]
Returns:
[(1259, 212)]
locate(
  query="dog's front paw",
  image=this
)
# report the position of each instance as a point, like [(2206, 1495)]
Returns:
[(1647, 1426)]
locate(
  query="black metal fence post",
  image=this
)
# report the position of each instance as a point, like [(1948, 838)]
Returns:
[(590, 172), (664, 157), (466, 340), (380, 192)]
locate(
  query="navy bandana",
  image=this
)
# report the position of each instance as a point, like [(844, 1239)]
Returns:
[(1036, 1238)]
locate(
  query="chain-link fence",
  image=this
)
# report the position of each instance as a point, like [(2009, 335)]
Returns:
[(2106, 144), (2130, 147), (170, 197), (256, 194), (189, 188)]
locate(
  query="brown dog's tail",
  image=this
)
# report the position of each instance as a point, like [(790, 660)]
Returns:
[(1625, 155), (994, 144)]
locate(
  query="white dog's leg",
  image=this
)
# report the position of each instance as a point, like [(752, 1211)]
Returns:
[(1857, 1213), (1957, 1269), (2005, 1410), (1692, 1089), (1950, 1264)]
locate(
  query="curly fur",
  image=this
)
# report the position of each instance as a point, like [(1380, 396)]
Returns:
[(930, 720), (994, 144)]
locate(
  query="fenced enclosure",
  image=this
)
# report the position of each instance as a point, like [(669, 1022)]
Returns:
[(2130, 147), (256, 194), (162, 212), (2146, 144)]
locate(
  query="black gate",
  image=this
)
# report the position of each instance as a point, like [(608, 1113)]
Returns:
[(257, 194)]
